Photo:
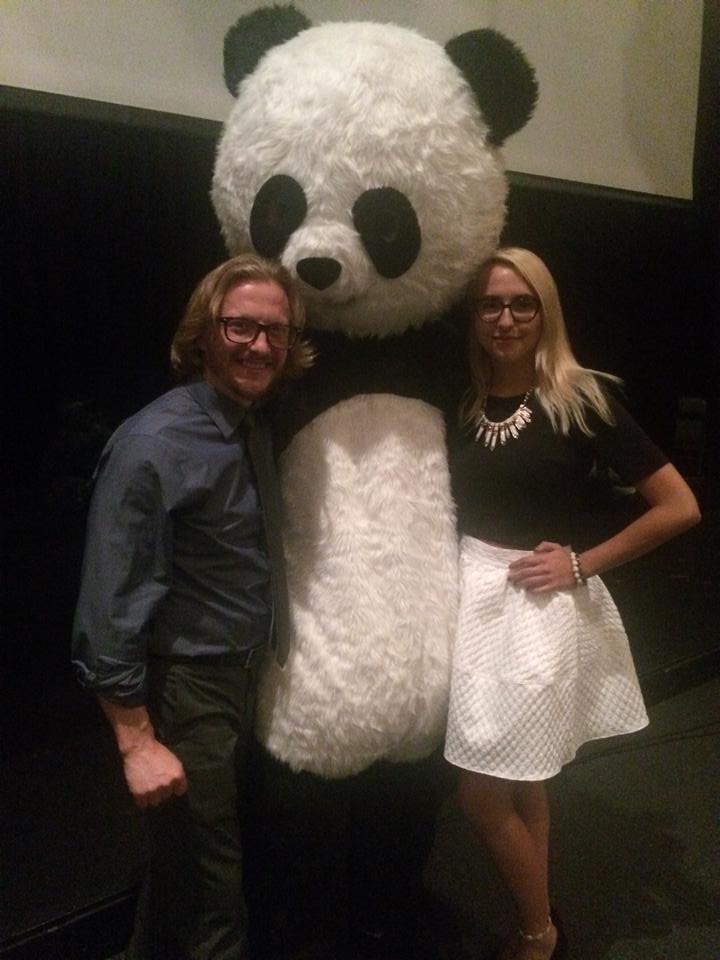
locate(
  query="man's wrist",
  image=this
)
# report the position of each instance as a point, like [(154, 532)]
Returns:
[(131, 725), (132, 739)]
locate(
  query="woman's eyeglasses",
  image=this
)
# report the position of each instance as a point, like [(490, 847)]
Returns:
[(523, 308)]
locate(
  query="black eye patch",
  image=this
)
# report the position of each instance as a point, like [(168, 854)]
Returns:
[(279, 209), (389, 228)]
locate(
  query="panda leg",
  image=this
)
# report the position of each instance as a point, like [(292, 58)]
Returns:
[(295, 860), (394, 811)]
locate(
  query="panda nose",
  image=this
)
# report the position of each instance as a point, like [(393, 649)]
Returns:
[(319, 272)]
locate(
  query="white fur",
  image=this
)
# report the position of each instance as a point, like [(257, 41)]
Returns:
[(345, 107), (372, 567), (371, 548)]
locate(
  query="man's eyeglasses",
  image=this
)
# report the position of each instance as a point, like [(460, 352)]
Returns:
[(281, 336), (523, 308)]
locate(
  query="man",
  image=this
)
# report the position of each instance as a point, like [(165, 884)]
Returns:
[(179, 602)]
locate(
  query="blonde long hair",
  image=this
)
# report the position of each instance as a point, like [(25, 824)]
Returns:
[(564, 389)]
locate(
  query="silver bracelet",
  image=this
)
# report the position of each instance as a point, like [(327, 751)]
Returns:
[(580, 578)]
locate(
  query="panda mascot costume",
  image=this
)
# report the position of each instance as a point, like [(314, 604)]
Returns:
[(364, 157)]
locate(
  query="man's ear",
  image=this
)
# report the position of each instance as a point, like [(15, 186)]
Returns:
[(201, 343)]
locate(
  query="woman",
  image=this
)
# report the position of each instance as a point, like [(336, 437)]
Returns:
[(542, 663)]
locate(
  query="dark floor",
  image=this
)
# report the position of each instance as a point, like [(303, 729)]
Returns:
[(636, 868), (636, 857)]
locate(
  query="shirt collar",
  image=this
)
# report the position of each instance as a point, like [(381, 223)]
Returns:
[(224, 412)]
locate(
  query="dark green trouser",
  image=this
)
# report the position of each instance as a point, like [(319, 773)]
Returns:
[(192, 907)]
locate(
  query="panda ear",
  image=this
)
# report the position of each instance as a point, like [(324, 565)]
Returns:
[(501, 79), (253, 35)]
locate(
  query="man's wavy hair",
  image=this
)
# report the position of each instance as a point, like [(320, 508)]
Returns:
[(186, 354)]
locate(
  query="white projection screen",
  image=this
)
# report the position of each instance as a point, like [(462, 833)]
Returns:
[(618, 78)]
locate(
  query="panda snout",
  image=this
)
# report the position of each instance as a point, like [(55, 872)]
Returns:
[(318, 272)]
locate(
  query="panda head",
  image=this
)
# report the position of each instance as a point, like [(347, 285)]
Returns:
[(365, 157)]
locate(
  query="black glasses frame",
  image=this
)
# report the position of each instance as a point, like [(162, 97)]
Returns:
[(510, 305), (271, 332)]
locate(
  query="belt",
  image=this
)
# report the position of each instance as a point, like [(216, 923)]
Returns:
[(242, 658)]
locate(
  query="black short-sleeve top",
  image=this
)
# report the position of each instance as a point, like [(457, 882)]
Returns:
[(535, 487)]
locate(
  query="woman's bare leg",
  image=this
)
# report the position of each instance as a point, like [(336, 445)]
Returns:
[(532, 806), (512, 819)]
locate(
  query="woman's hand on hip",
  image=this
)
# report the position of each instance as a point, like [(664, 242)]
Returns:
[(546, 569)]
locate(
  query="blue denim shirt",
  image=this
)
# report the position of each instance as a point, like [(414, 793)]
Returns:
[(175, 560)]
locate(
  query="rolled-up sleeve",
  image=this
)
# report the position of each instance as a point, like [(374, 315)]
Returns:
[(126, 568)]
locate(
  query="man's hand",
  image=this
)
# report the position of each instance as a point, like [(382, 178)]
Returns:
[(153, 773), (546, 569)]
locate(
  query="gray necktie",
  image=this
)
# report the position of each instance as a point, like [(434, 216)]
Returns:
[(259, 444)]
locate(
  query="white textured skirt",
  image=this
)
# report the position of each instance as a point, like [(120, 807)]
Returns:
[(534, 676)]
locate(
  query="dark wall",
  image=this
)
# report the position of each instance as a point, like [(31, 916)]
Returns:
[(108, 226), (634, 276)]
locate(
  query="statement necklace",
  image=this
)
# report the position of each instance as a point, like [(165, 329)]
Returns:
[(490, 431)]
